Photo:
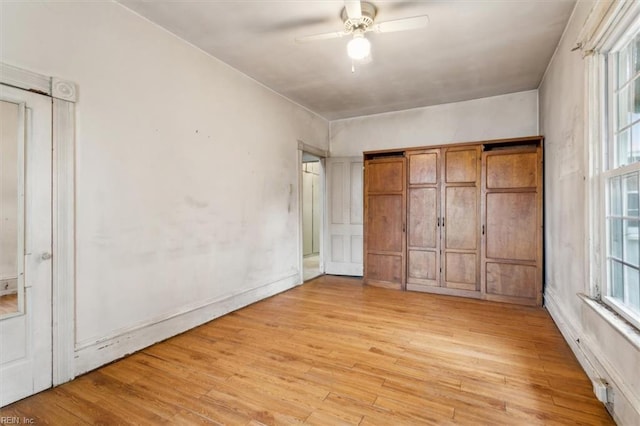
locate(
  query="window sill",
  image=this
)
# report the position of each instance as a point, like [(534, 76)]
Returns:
[(622, 326)]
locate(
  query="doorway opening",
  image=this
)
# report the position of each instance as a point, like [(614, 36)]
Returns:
[(312, 205)]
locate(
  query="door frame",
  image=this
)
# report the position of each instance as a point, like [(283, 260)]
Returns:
[(322, 154), (64, 97)]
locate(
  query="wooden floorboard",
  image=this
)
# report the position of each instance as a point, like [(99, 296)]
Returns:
[(334, 352), (8, 303)]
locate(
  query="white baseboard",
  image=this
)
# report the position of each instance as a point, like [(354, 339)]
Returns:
[(625, 409), (95, 354)]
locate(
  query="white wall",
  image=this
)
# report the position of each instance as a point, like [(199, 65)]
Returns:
[(505, 116), (186, 173), (602, 350)]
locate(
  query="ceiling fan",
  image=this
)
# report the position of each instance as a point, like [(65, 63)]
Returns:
[(359, 18)]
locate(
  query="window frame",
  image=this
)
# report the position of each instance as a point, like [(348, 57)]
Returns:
[(616, 33)]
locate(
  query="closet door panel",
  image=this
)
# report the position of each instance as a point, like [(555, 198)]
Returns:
[(511, 226), (511, 267), (461, 270), (384, 268), (423, 168), (423, 268), (385, 176), (461, 221), (511, 280), (461, 166), (512, 171), (422, 237), (423, 214), (385, 223)]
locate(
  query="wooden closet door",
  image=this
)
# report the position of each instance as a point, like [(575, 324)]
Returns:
[(512, 241), (385, 240), (461, 219), (423, 219)]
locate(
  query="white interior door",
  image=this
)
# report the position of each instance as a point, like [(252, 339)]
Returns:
[(344, 206), (25, 328)]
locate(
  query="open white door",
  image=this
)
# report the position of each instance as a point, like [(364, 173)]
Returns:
[(25, 327), (344, 206)]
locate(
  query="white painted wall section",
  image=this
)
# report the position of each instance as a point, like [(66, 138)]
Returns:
[(497, 117), (186, 173), (605, 347)]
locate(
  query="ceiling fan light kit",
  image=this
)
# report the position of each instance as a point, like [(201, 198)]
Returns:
[(358, 18), (358, 47)]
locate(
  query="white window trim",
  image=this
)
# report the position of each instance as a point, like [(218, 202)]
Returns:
[(611, 28)]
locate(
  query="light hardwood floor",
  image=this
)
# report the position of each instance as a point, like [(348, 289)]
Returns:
[(8, 304), (336, 352)]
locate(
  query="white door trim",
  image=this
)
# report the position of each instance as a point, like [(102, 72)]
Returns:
[(312, 150), (64, 94)]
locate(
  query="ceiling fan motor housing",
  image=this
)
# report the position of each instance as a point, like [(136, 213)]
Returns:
[(365, 21)]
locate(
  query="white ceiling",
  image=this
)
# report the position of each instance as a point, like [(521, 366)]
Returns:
[(470, 49)]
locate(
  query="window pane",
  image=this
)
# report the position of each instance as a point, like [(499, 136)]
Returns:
[(615, 201), (632, 281), (635, 100), (616, 289), (635, 144), (623, 67), (623, 148), (615, 230), (633, 294), (624, 115), (630, 249), (635, 46), (630, 188)]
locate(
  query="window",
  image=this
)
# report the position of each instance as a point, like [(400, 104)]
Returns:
[(621, 178)]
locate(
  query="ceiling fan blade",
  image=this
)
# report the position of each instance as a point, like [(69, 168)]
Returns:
[(354, 9), (323, 36), (406, 24)]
